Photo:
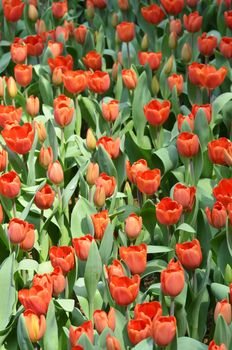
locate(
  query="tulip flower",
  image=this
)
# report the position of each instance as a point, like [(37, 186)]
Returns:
[(223, 191), (134, 169), (65, 63), (153, 59), (189, 254), (157, 112), (223, 308), (75, 333), (173, 7), (58, 281), (111, 146), (44, 198), (187, 144), (133, 226), (19, 138), (10, 114), (163, 330), (100, 222), (126, 31), (92, 60), (135, 257), (138, 330), (124, 290), (148, 310), (98, 82), (216, 150), (153, 14), (168, 211), (80, 34), (23, 74), (36, 325), (185, 196), (82, 246), (62, 257), (45, 156), (206, 44), (36, 298), (10, 185), (103, 320), (172, 279), (59, 9)]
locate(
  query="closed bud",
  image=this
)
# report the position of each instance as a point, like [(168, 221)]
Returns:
[(114, 20), (172, 41), (32, 13), (12, 87), (36, 325), (55, 173), (57, 76), (1, 87), (186, 53), (45, 157), (42, 134), (90, 140), (99, 196), (155, 86), (144, 43), (3, 159), (32, 106), (228, 274), (115, 71), (92, 173), (169, 65), (40, 26), (223, 308)]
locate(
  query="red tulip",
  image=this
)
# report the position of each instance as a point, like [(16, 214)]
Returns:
[(126, 31), (44, 198), (153, 59), (176, 80), (10, 185), (98, 82), (226, 47), (175, 26), (63, 62), (34, 44), (216, 150), (75, 81), (206, 76), (228, 18), (19, 138), (1, 215), (100, 222), (148, 310), (135, 257), (214, 346), (42, 134), (168, 211), (32, 106), (80, 34), (187, 144), (148, 181), (134, 169), (111, 146), (112, 343), (223, 308), (217, 217), (28, 243), (115, 269), (133, 226), (10, 114), (36, 299), (45, 156), (58, 281), (17, 230), (103, 320), (124, 290), (163, 330), (55, 173), (44, 281), (3, 159), (153, 14), (36, 325), (13, 9), (62, 257), (173, 7), (55, 47), (189, 119), (207, 108), (18, 51), (189, 254), (207, 44), (138, 330), (82, 246), (172, 279), (223, 192), (92, 173), (93, 60), (110, 110), (193, 22), (59, 9), (129, 78), (108, 183), (185, 196), (23, 74), (157, 112), (63, 112), (124, 6), (76, 333)]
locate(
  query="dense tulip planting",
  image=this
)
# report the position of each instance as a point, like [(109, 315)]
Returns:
[(115, 175)]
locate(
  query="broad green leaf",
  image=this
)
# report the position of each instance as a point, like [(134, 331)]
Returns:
[(81, 211), (186, 227), (105, 162), (158, 249), (220, 102), (185, 343), (220, 291), (45, 89), (222, 332), (24, 341), (51, 335), (66, 304), (167, 158), (107, 243)]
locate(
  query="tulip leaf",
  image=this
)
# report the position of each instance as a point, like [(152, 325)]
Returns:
[(81, 211), (152, 249), (102, 338), (107, 243), (201, 128), (146, 344), (186, 227), (222, 333), (66, 304), (166, 158), (24, 341), (31, 162), (85, 342), (92, 274), (229, 237), (45, 89), (219, 103), (105, 162), (7, 292), (50, 339), (4, 61), (141, 97), (190, 344), (220, 291)]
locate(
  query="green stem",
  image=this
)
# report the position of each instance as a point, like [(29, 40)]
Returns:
[(90, 196), (140, 198), (91, 309), (128, 313), (172, 307), (128, 54), (78, 117), (62, 146), (194, 282), (41, 221), (191, 170), (66, 293), (14, 208)]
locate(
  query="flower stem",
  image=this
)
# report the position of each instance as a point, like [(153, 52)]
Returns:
[(194, 282), (172, 307), (140, 198), (78, 117), (128, 54), (14, 208)]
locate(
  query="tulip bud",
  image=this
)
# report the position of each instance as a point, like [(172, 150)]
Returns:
[(12, 87), (32, 106), (89, 13), (55, 173), (45, 157), (42, 134), (172, 41), (133, 226), (186, 53), (90, 140), (123, 5), (40, 26), (144, 43), (58, 281), (1, 87), (99, 196), (155, 85), (112, 343), (36, 325), (1, 214), (32, 13), (114, 20), (92, 173), (115, 71), (57, 76), (3, 159), (228, 274), (223, 308), (169, 65)]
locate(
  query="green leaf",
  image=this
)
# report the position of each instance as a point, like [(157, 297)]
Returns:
[(51, 335), (105, 162), (79, 224), (185, 343), (186, 227), (158, 249), (220, 291), (220, 102), (229, 237), (92, 274), (201, 128), (4, 61), (66, 304), (24, 341), (7, 291), (146, 344), (31, 162), (141, 97), (85, 342), (222, 332), (167, 158), (107, 243), (28, 264), (45, 89)]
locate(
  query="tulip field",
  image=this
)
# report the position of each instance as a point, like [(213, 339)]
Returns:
[(116, 175)]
